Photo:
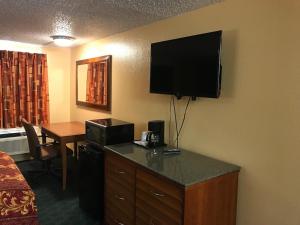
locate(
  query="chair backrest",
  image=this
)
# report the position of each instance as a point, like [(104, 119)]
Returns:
[(33, 140)]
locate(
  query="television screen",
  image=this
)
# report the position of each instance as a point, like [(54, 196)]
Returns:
[(188, 66)]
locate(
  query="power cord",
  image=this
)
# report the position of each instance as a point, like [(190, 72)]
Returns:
[(184, 115), (175, 118), (170, 119), (172, 102)]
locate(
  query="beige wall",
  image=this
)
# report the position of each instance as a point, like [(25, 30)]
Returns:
[(20, 47), (59, 60), (255, 122)]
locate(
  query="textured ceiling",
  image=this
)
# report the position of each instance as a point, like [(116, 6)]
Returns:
[(33, 21)]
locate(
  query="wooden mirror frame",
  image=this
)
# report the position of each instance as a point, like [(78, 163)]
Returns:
[(108, 60)]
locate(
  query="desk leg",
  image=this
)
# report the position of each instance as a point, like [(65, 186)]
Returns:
[(64, 164), (43, 137)]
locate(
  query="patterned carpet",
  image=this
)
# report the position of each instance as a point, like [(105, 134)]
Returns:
[(56, 207)]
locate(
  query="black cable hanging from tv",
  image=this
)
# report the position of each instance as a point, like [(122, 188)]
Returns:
[(172, 102), (170, 119), (175, 118), (184, 115)]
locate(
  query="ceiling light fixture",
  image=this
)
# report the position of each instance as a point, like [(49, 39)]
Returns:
[(63, 40)]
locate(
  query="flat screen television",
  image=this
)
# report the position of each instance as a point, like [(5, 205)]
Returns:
[(188, 66)]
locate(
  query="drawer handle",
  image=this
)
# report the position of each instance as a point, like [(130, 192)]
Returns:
[(120, 172), (119, 223), (157, 194), (119, 197)]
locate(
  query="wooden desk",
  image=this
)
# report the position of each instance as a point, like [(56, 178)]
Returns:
[(68, 132)]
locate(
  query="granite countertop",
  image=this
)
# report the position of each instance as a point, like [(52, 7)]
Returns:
[(185, 168)]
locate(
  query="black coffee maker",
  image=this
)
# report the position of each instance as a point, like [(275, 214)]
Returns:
[(158, 129)]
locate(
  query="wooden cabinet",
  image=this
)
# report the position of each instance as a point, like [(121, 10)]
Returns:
[(157, 200), (119, 191), (135, 195)]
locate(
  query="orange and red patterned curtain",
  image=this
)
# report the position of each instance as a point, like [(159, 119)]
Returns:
[(96, 85), (23, 88)]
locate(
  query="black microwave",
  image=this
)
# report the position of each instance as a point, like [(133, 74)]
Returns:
[(108, 131)]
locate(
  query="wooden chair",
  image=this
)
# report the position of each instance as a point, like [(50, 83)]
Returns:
[(44, 153)]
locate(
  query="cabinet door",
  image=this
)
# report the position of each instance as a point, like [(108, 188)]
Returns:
[(158, 201), (119, 191)]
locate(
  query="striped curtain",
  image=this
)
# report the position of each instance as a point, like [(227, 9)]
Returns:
[(23, 88), (96, 85)]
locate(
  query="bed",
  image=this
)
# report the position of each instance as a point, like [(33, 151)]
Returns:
[(17, 200)]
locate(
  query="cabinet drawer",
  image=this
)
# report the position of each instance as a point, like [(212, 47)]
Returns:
[(158, 201), (119, 191), (120, 169), (115, 187), (144, 218), (120, 202), (118, 211), (111, 219)]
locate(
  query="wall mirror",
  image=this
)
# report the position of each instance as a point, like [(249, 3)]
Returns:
[(93, 82)]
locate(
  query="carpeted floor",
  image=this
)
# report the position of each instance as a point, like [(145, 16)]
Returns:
[(56, 207)]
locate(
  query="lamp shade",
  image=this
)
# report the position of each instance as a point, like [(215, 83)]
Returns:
[(62, 40)]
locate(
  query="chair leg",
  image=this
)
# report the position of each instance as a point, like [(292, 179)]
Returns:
[(35, 174), (44, 169)]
